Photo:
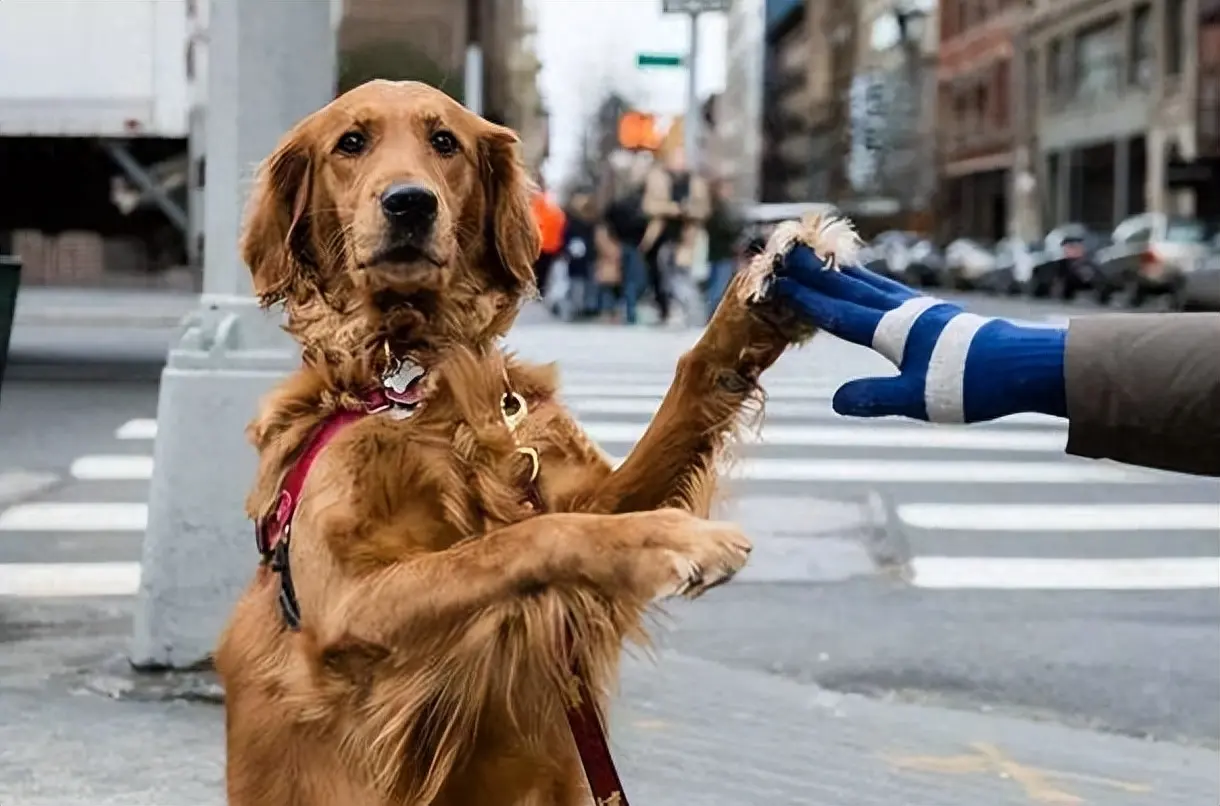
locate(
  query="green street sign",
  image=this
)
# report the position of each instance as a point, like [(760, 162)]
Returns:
[(659, 60)]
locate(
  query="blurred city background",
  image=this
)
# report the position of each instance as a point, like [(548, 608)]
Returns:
[(932, 616)]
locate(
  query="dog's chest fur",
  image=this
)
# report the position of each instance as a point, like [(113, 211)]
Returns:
[(455, 469)]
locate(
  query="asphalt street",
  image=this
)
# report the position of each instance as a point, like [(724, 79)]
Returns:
[(977, 567)]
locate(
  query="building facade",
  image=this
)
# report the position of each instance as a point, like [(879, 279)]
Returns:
[(1116, 86), (807, 68), (1200, 176), (738, 118), (980, 87), (427, 40), (894, 118)]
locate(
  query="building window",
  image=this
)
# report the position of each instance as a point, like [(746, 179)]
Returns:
[(1174, 31), (1142, 50), (1098, 62)]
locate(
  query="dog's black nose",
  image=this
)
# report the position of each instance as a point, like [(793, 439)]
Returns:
[(412, 205)]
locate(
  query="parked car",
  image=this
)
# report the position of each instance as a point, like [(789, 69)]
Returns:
[(1200, 288), (890, 253), (1150, 255), (1067, 264), (1014, 264), (966, 262), (926, 266)]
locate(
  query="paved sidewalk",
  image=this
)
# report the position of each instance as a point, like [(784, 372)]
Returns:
[(687, 731)]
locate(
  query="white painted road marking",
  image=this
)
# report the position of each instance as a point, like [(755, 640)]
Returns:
[(815, 408), (75, 517), (113, 468), (641, 388), (1028, 573), (885, 470), (866, 436), (143, 428), (57, 580), (1060, 517), (809, 410)]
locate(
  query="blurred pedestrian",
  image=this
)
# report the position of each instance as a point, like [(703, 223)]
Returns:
[(724, 247), (551, 220), (607, 272), (677, 203), (1137, 388), (627, 224), (578, 250)]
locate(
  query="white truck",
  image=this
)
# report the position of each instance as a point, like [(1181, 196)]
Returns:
[(99, 100)]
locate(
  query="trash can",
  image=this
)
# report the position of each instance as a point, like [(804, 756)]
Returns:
[(10, 278)]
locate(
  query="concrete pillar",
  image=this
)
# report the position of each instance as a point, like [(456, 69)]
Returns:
[(1122, 178), (269, 64)]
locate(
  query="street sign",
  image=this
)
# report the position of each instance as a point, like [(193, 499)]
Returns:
[(694, 6), (659, 60)]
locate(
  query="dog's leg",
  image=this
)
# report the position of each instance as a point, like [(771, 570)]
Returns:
[(717, 383), (494, 625)]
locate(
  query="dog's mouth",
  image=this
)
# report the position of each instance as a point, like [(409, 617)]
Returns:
[(404, 253)]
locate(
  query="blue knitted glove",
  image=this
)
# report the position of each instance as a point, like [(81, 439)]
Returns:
[(954, 367)]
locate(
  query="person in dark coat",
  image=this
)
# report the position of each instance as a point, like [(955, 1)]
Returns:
[(627, 224), (579, 250), (1143, 389)]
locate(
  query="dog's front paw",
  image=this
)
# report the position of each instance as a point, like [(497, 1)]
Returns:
[(833, 242), (701, 554)]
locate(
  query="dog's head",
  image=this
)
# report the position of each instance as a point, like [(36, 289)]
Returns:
[(393, 213)]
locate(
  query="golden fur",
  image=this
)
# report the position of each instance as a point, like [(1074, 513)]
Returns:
[(432, 665)]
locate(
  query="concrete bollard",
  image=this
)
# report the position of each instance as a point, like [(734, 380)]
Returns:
[(269, 65)]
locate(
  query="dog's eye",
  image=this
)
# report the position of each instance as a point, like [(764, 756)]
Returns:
[(445, 143), (351, 143)]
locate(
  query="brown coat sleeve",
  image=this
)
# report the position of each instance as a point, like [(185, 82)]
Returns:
[(1145, 389)]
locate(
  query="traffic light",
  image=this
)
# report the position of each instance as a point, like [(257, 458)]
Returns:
[(637, 131)]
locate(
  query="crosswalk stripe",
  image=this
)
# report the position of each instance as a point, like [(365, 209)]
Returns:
[(794, 470), (63, 516), (57, 580), (140, 428), (851, 432), (1045, 574), (863, 436), (883, 471), (112, 468), (786, 409), (1060, 517), (642, 388)]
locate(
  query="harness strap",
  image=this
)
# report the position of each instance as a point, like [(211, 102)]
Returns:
[(271, 535)]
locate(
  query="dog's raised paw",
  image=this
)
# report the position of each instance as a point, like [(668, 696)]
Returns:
[(832, 238)]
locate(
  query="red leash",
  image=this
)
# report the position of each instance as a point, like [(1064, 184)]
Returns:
[(271, 535)]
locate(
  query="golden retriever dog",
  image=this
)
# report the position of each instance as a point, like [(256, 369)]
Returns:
[(460, 546)]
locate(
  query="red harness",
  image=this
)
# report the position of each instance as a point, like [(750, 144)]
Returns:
[(272, 533)]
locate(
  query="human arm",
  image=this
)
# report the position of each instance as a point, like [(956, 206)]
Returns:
[(1138, 388), (1145, 389)]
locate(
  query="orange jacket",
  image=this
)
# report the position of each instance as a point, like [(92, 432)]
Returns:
[(550, 219)]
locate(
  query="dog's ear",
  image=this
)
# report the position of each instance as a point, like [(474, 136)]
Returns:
[(514, 237), (275, 240)]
